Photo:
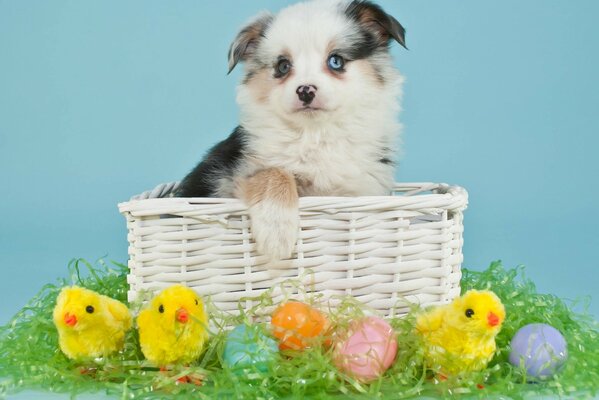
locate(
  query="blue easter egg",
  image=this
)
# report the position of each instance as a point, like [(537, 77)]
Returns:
[(541, 348), (247, 346)]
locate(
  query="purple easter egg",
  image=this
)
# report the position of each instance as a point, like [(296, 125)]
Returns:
[(541, 348)]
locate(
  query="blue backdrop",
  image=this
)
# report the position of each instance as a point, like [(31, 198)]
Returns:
[(102, 100)]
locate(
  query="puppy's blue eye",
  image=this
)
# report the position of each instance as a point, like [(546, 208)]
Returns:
[(336, 63), (283, 67)]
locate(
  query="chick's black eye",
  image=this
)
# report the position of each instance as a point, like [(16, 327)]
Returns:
[(196, 302), (336, 63), (469, 313), (161, 309), (89, 309), (283, 67)]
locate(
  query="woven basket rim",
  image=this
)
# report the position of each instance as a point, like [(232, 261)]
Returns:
[(451, 197)]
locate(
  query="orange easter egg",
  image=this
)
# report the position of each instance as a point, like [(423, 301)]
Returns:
[(295, 323)]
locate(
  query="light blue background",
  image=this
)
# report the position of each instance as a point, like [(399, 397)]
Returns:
[(102, 100)]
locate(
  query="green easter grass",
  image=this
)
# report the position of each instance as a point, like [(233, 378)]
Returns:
[(30, 358)]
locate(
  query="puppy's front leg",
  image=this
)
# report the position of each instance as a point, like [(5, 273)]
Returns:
[(271, 195)]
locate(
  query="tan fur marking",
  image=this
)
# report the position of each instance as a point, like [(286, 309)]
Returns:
[(261, 84), (271, 184), (304, 186), (369, 18), (368, 71), (330, 47)]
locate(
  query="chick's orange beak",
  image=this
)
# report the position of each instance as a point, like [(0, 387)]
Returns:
[(182, 315), (70, 319), (492, 319)]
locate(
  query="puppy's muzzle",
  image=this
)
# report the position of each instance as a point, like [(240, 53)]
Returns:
[(306, 93)]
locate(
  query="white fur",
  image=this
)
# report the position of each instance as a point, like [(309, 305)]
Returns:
[(274, 228), (336, 151)]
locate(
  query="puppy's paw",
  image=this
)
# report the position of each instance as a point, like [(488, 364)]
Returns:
[(274, 228), (271, 195)]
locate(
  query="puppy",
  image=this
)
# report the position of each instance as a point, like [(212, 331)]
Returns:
[(319, 103)]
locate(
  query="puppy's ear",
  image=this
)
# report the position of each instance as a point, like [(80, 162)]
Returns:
[(376, 21), (247, 39)]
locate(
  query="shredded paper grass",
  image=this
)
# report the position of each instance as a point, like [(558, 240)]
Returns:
[(31, 359)]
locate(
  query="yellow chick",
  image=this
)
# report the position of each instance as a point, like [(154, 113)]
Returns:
[(460, 336), (173, 328), (89, 324)]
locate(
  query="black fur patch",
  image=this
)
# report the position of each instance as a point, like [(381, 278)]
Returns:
[(220, 161), (363, 47), (379, 26), (386, 156)]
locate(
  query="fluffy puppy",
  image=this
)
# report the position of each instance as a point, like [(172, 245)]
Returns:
[(319, 103)]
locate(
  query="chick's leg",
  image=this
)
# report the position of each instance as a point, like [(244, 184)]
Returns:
[(194, 378)]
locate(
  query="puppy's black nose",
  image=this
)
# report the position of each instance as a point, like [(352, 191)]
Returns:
[(306, 93)]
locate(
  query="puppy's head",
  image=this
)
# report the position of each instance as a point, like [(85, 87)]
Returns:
[(315, 60)]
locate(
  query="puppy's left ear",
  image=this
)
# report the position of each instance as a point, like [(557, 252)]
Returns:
[(247, 39), (376, 21)]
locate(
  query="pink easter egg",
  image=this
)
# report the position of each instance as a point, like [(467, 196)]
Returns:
[(368, 350)]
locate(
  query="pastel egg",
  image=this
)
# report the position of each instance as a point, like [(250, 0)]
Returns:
[(540, 348), (247, 346), (368, 350), (296, 324)]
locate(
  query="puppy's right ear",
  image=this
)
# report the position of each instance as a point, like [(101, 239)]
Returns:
[(247, 39)]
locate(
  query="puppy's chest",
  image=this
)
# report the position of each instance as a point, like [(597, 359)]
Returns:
[(329, 168)]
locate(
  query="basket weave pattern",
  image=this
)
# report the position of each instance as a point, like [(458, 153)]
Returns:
[(383, 250)]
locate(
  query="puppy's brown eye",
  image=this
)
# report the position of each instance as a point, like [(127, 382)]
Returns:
[(283, 68)]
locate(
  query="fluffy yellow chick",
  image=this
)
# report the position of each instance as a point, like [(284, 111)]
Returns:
[(460, 336), (89, 324), (173, 328)]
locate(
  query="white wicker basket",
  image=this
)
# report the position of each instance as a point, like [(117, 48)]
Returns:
[(383, 250)]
